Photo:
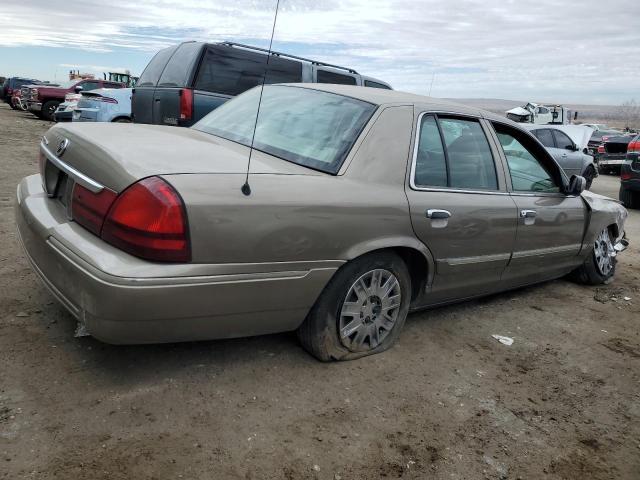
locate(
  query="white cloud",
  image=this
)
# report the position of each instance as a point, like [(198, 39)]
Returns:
[(538, 50)]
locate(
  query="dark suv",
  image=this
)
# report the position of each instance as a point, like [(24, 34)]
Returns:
[(183, 83), (630, 175)]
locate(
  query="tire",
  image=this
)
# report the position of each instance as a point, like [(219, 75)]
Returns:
[(13, 106), (629, 198), (122, 120), (48, 109), (591, 272), (320, 334), (589, 175)]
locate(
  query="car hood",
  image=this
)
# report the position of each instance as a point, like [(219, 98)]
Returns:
[(117, 154)]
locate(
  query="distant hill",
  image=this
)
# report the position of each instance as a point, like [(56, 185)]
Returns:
[(609, 114)]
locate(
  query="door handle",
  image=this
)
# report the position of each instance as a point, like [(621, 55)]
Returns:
[(435, 214), (528, 213)]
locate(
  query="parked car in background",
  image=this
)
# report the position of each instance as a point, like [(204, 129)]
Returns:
[(183, 83), (365, 204), (104, 105), (64, 112), (43, 100), (568, 146), (612, 152), (630, 175), (14, 83), (597, 138), (16, 100)]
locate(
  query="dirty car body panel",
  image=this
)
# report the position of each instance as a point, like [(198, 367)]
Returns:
[(259, 262)]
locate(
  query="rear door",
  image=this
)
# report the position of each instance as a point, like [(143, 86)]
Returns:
[(550, 224), (569, 159), (227, 71), (176, 76), (142, 97), (459, 205)]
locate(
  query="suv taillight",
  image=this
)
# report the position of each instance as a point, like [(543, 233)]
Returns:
[(634, 146), (186, 104), (147, 220)]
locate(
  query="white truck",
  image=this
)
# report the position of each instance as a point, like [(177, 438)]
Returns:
[(541, 114)]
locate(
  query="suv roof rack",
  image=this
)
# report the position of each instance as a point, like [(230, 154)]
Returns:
[(281, 54)]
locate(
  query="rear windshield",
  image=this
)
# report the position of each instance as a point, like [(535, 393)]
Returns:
[(308, 127), (231, 71), (176, 73), (152, 73)]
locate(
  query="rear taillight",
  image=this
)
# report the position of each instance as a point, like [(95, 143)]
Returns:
[(89, 209), (625, 175), (149, 220), (634, 146), (186, 104), (600, 148)]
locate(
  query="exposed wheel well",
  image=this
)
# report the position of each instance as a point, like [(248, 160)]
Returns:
[(121, 117)]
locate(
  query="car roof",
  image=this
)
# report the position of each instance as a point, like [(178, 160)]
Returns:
[(380, 96)]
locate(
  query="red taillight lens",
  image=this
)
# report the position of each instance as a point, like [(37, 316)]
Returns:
[(634, 146), (186, 104), (625, 175), (149, 220), (600, 148), (89, 209)]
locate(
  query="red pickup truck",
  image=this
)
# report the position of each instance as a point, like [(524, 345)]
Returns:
[(43, 101)]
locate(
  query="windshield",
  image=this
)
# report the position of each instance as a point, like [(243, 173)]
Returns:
[(309, 127)]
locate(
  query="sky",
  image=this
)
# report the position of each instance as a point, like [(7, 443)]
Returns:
[(583, 51)]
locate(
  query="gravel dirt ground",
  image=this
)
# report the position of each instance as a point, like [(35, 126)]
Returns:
[(448, 401)]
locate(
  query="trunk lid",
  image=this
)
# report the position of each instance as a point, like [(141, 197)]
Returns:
[(117, 154)]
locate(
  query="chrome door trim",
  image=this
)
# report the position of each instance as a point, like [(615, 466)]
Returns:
[(547, 251), (79, 177)]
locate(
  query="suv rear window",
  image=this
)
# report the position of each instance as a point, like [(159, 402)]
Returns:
[(151, 74), (309, 127), (231, 71), (177, 71), (324, 76)]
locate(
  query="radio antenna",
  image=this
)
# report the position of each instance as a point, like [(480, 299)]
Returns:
[(246, 188)]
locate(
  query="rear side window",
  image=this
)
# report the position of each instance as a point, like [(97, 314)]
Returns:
[(151, 74), (545, 137), (372, 84), (431, 166), (325, 76), (231, 71), (176, 73), (456, 154)]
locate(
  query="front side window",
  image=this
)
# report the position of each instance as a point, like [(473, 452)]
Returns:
[(455, 154), (304, 126), (528, 174), (545, 137), (563, 140), (324, 76)]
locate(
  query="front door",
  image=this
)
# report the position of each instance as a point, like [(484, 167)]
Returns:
[(550, 223), (459, 206)]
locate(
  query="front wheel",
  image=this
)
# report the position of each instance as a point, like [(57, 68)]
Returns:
[(361, 310), (600, 266)]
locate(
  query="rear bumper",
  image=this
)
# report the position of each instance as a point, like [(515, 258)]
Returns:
[(612, 159), (122, 299)]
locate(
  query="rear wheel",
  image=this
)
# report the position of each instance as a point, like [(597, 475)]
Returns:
[(122, 120), (48, 109), (600, 266), (361, 310), (629, 198)]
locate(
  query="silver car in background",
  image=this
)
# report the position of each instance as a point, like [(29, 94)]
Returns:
[(104, 105), (358, 206)]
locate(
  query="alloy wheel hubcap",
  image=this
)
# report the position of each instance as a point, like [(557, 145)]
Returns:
[(604, 253), (370, 310)]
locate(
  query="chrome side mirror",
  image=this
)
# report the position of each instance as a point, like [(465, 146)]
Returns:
[(577, 185)]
